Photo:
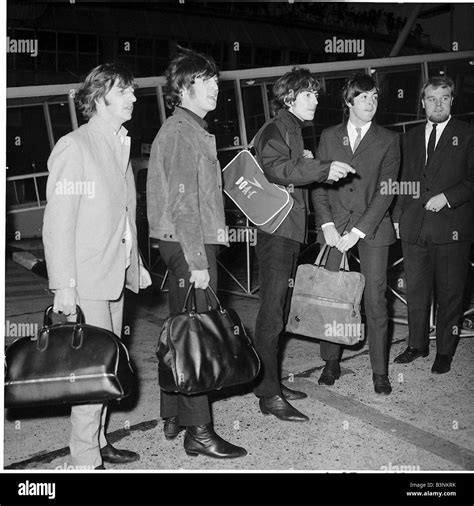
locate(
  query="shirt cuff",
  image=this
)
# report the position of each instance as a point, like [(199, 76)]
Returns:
[(326, 224), (358, 232), (447, 201)]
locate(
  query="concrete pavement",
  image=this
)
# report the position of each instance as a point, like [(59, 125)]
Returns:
[(426, 424)]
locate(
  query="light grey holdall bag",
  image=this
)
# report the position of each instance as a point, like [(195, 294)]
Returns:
[(325, 305)]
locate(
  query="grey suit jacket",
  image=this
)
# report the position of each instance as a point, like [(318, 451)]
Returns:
[(359, 200), (90, 192)]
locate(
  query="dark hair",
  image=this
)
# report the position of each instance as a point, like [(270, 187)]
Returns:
[(442, 81), (183, 69), (287, 87), (354, 86), (98, 82)]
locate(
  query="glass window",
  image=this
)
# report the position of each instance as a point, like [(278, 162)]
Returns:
[(145, 121), (253, 109), (145, 47), (224, 122), (46, 41), (46, 61), (66, 42), (398, 99), (27, 140), (126, 46), (60, 119), (87, 43)]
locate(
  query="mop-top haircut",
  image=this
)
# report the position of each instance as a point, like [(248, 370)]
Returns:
[(99, 82), (184, 68), (287, 87), (354, 86)]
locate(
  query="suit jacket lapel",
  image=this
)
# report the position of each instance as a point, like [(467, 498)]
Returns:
[(344, 139), (367, 139)]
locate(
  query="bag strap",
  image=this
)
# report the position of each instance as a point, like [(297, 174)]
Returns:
[(323, 257), (47, 319), (191, 295)]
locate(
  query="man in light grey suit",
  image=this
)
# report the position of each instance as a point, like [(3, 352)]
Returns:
[(89, 233)]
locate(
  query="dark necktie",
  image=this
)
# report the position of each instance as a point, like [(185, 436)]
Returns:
[(431, 144)]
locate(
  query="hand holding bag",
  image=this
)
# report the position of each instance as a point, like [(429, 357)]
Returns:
[(200, 352), (325, 305), (67, 363)]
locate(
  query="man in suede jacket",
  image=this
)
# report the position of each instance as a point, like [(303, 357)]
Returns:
[(186, 214)]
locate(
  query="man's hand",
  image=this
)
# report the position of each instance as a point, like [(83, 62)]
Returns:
[(346, 242), (331, 235), (396, 226), (436, 203), (200, 278), (338, 170), (65, 301), (307, 154)]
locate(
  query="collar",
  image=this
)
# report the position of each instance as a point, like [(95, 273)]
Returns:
[(363, 130), (439, 125), (290, 119), (200, 121), (98, 123)]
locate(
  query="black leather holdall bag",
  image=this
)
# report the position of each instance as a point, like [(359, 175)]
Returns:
[(200, 352), (67, 363)]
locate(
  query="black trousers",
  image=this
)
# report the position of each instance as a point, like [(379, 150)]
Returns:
[(445, 266), (190, 409), (277, 257), (373, 265)]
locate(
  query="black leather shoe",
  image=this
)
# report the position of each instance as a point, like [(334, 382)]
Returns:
[(116, 456), (99, 467), (292, 395), (442, 364), (201, 439), (411, 354), (171, 427), (330, 374), (381, 384), (281, 408)]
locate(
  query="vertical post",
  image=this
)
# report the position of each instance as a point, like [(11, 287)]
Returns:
[(243, 142), (266, 107), (161, 103), (49, 126), (72, 109)]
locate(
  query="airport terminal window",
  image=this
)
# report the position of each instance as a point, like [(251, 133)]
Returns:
[(60, 119), (399, 92), (223, 122), (253, 109), (145, 121), (27, 140)]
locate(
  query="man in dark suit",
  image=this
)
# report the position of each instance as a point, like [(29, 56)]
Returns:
[(355, 211), (437, 228)]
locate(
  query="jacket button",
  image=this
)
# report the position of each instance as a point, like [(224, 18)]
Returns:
[(351, 189), (351, 211), (126, 208), (171, 236), (123, 241)]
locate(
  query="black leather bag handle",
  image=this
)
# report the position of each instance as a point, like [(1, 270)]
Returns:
[(47, 320), (191, 296)]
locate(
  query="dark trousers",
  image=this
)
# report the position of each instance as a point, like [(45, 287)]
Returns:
[(446, 265), (373, 265), (190, 409), (277, 257)]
